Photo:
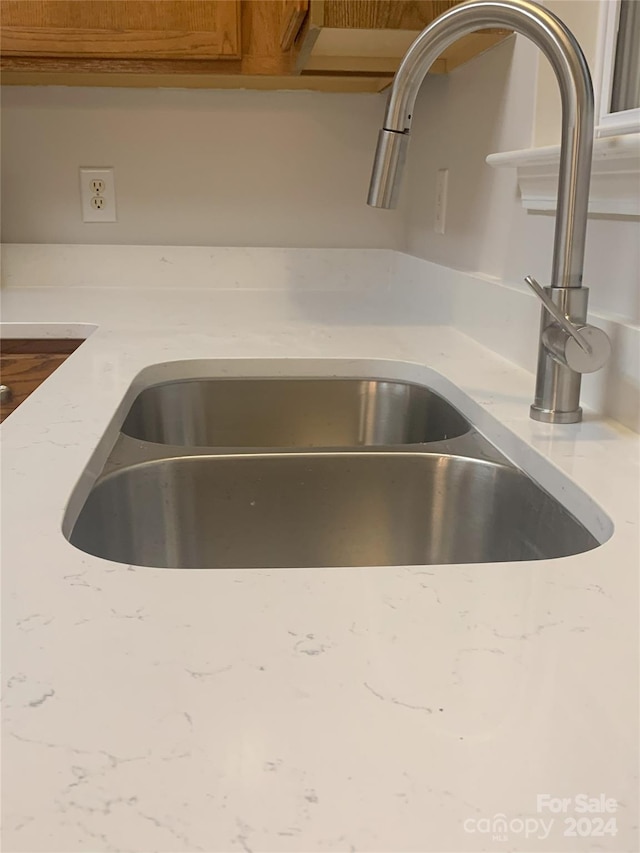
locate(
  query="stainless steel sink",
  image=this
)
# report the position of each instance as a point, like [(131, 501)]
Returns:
[(291, 413), (248, 473), (323, 509)]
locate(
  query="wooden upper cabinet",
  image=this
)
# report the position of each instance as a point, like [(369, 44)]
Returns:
[(372, 36), (121, 29), (335, 45)]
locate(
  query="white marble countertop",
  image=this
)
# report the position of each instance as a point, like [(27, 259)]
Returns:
[(367, 709)]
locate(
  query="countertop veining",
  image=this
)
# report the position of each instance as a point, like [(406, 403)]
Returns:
[(374, 709)]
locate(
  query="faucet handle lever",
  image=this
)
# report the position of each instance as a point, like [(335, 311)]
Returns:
[(582, 348), (560, 318)]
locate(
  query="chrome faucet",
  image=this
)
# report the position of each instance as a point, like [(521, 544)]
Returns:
[(568, 346)]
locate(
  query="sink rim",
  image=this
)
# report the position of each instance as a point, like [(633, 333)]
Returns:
[(338, 453)]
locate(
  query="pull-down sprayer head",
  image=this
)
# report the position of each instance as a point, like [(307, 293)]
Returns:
[(386, 175)]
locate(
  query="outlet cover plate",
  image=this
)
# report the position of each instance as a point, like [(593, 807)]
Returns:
[(90, 211), (442, 186)]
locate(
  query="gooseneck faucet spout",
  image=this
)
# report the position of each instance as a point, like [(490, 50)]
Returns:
[(558, 380)]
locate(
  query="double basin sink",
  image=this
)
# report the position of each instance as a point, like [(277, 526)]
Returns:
[(248, 473)]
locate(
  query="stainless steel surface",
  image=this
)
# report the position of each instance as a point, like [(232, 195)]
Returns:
[(283, 413), (558, 387), (392, 491), (323, 509), (560, 318), (583, 348), (6, 394), (391, 152), (566, 349), (562, 50), (556, 382)]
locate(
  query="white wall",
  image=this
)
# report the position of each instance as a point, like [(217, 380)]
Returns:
[(227, 168), (483, 107), (221, 168)]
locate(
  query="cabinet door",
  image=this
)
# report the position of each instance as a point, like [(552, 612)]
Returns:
[(121, 29), (293, 12)]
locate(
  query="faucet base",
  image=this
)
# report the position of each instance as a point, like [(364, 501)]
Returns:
[(557, 395), (550, 416)]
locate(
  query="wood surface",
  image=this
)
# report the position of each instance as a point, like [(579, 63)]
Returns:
[(294, 12), (384, 14), (121, 29), (26, 363)]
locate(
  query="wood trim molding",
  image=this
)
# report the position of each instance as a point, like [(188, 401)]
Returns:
[(311, 82)]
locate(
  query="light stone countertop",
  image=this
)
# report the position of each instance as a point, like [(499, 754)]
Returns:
[(365, 709)]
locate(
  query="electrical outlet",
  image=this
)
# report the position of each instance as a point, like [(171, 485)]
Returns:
[(98, 194), (442, 183)]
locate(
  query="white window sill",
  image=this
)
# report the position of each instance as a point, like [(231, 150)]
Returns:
[(615, 175)]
